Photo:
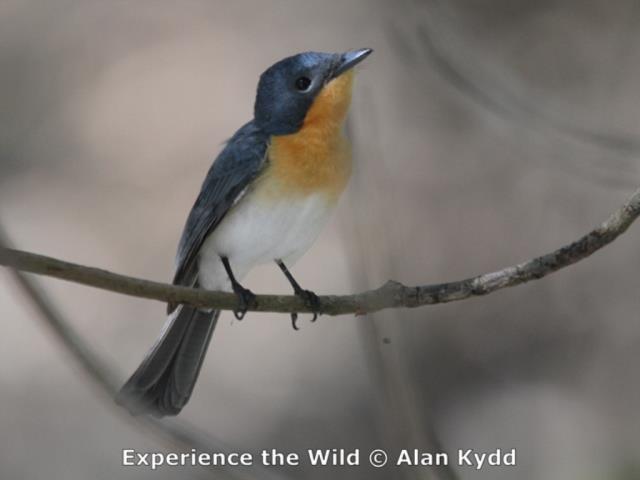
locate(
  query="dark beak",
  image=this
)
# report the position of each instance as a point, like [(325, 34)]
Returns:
[(349, 60)]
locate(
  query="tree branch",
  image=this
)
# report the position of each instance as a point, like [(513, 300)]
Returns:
[(390, 295), (176, 433)]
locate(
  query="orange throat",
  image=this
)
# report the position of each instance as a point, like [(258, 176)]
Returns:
[(317, 158)]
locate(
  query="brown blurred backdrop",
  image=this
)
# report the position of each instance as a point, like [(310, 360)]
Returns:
[(486, 132)]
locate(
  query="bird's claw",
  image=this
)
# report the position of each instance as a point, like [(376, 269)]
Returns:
[(311, 301), (246, 299)]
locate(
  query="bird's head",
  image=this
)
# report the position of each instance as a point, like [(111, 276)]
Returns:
[(306, 88)]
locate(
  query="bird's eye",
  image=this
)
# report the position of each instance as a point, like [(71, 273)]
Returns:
[(303, 83)]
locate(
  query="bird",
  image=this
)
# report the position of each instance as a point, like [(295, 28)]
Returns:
[(265, 198)]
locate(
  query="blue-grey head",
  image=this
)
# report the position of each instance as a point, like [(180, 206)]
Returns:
[(287, 89)]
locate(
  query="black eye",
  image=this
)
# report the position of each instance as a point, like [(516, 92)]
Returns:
[(303, 83)]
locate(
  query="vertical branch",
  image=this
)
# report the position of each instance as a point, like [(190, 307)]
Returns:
[(404, 420)]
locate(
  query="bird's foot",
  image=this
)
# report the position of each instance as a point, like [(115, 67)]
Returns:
[(311, 301), (246, 299)]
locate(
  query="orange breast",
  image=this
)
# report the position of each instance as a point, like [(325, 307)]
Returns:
[(316, 159)]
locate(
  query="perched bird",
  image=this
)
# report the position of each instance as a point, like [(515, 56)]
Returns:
[(265, 198)]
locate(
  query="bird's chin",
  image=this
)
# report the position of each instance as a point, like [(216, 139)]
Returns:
[(332, 102)]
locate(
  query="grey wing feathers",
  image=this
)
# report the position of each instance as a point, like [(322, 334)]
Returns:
[(164, 381), (236, 167)]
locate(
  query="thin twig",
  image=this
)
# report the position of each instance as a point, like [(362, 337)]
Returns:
[(449, 57), (391, 295)]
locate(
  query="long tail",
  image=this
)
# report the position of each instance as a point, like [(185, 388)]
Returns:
[(163, 382)]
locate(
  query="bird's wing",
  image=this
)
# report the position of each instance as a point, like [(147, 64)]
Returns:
[(239, 163)]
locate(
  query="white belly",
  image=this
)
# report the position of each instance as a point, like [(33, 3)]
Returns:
[(259, 231)]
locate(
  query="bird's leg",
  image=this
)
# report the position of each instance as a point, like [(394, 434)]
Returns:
[(310, 299), (246, 298)]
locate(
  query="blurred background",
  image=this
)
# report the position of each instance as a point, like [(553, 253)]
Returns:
[(486, 132)]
